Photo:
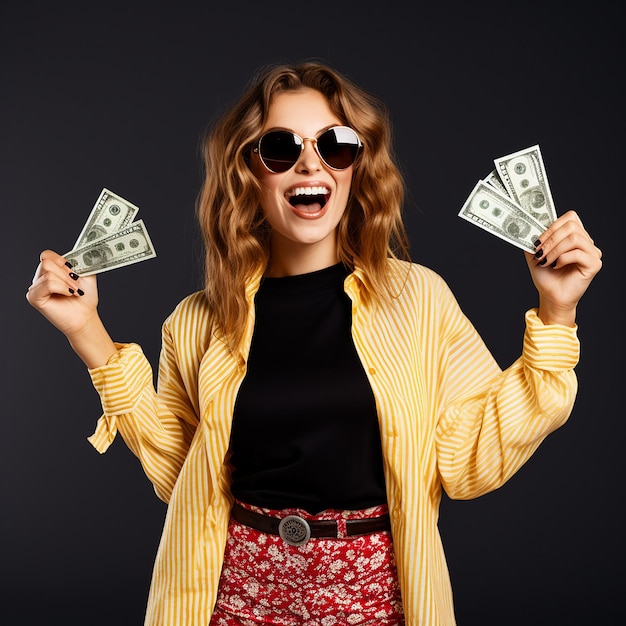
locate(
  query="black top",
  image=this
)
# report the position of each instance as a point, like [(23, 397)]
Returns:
[(305, 430)]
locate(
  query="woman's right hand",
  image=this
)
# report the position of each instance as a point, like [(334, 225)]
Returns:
[(70, 302)]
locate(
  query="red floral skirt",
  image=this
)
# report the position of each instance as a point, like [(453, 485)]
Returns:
[(326, 582)]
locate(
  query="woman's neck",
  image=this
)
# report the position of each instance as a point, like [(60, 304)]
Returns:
[(295, 259)]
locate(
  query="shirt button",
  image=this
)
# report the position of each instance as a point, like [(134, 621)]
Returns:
[(372, 370)]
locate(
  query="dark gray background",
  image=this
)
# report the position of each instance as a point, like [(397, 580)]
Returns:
[(117, 96)]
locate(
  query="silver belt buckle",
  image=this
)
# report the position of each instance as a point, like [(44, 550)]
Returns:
[(294, 530)]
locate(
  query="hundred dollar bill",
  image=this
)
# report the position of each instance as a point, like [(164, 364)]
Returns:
[(494, 180), (524, 176), (130, 245), (110, 214), (498, 214)]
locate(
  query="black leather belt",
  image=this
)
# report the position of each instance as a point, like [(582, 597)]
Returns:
[(296, 530)]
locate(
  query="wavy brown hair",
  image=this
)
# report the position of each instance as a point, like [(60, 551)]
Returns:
[(235, 233)]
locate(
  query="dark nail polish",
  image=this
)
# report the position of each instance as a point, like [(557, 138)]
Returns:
[(68, 264), (73, 276), (537, 243), (553, 264), (542, 262), (538, 253), (71, 291), (82, 293)]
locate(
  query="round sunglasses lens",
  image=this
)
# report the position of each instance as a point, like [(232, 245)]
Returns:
[(338, 147), (279, 150)]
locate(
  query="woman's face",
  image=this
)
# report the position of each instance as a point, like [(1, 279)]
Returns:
[(304, 232)]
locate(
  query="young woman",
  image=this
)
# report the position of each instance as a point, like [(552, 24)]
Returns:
[(320, 392)]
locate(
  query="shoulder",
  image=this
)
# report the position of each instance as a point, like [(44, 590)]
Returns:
[(414, 280), (193, 310)]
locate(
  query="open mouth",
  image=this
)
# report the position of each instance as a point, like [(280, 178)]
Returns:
[(309, 198)]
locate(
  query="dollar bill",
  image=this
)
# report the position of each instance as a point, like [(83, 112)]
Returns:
[(494, 180), (524, 176), (496, 213), (125, 247), (110, 214)]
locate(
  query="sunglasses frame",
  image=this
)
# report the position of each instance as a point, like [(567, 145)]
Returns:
[(257, 147)]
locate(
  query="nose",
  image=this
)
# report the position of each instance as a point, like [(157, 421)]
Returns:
[(309, 160)]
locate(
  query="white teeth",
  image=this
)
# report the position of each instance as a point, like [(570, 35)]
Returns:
[(309, 191)]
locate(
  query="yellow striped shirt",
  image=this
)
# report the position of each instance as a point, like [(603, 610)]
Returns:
[(449, 418)]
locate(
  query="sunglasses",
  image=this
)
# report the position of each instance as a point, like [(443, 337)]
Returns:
[(279, 150)]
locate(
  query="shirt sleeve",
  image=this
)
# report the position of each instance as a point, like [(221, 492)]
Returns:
[(157, 427), (493, 420)]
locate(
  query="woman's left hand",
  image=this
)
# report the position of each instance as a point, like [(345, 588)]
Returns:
[(563, 267)]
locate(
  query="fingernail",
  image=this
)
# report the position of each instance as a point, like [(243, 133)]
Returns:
[(68, 264), (71, 291), (82, 293), (542, 262), (73, 275), (553, 264), (538, 253), (537, 243)]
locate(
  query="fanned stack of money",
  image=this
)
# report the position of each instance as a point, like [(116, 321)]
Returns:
[(514, 201), (110, 238)]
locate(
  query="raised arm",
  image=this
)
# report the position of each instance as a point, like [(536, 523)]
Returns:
[(157, 428), (493, 422)]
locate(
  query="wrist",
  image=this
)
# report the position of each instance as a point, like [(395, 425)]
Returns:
[(93, 344), (548, 313)]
